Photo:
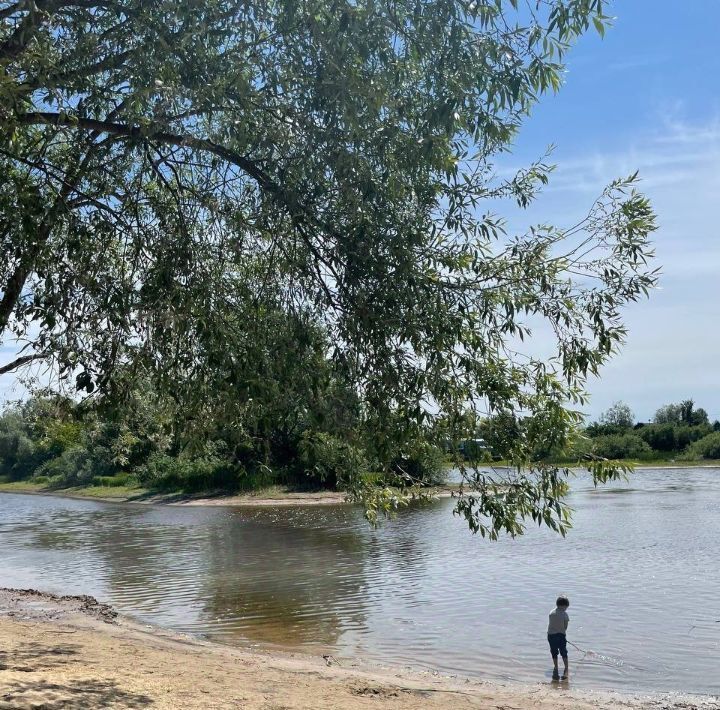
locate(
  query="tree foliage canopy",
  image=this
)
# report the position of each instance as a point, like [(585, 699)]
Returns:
[(619, 415), (186, 181), (681, 413)]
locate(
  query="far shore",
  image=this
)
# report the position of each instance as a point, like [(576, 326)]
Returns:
[(274, 496), (76, 652), (122, 494)]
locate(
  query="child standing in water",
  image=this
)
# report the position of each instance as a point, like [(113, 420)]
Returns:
[(557, 628)]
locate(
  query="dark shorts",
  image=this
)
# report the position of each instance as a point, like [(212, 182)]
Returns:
[(558, 645)]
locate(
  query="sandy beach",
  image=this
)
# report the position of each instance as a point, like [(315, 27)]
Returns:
[(74, 652)]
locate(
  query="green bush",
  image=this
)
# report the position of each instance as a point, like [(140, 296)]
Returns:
[(60, 436), (71, 468), (706, 448), (599, 429), (18, 456), (162, 471), (191, 475), (325, 459), (117, 481), (257, 478), (77, 466), (660, 437), (620, 446), (423, 462), (686, 435), (473, 450)]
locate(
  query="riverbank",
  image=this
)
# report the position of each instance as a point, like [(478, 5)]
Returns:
[(273, 496), (73, 652)]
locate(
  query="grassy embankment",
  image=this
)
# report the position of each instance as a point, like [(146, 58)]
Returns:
[(126, 492), (655, 463)]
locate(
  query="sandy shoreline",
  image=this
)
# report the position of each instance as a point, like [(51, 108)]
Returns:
[(246, 500), (178, 499), (72, 652)]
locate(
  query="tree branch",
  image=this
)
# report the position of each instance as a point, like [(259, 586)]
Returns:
[(20, 361), (251, 168), (113, 61), (16, 282), (141, 133), (10, 10)]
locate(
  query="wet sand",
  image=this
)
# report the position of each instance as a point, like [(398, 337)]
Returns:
[(73, 652)]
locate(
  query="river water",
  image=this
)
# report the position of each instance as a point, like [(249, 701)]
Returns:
[(640, 568)]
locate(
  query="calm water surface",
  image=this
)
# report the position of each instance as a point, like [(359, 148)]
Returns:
[(640, 567)]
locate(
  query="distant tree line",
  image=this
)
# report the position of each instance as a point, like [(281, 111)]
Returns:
[(677, 431)]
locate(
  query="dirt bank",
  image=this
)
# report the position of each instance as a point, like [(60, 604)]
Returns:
[(72, 652)]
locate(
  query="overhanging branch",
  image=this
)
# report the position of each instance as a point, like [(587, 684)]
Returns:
[(186, 140), (20, 361)]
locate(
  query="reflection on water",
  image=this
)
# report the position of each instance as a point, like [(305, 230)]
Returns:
[(281, 584), (639, 567)]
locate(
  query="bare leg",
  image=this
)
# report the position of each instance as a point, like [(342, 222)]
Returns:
[(565, 662), (555, 672)]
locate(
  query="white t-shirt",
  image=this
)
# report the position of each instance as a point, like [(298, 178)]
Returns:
[(559, 621)]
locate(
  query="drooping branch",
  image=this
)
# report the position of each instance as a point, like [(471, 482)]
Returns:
[(16, 281), (10, 10), (112, 62)]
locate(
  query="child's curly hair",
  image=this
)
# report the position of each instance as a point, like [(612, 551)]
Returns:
[(562, 600)]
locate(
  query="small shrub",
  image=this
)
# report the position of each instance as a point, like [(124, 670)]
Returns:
[(60, 436), (162, 471), (191, 475), (325, 459), (474, 450), (77, 466), (706, 448), (620, 446), (17, 455), (660, 437), (423, 462), (117, 481), (70, 468), (686, 435), (258, 477)]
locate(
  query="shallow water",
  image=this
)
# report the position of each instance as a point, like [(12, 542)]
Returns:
[(640, 567)]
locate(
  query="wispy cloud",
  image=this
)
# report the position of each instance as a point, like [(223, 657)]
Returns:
[(673, 154), (673, 343), (635, 63)]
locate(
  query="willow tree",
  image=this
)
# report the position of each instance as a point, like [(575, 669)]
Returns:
[(169, 168)]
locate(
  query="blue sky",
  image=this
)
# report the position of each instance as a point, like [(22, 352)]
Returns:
[(645, 97)]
